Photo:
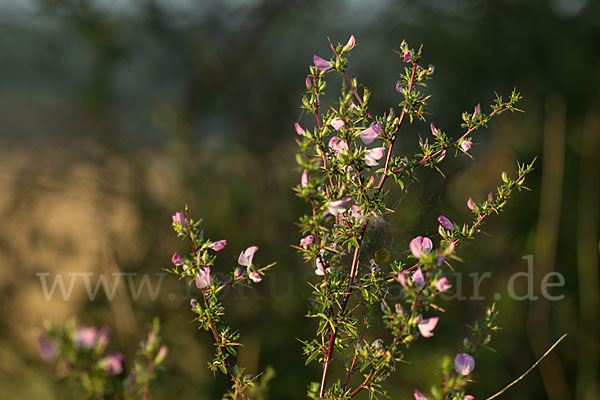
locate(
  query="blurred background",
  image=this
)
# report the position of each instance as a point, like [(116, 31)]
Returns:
[(116, 113)]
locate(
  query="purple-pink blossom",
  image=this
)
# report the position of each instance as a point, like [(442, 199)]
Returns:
[(255, 277), (434, 131), (464, 364), (420, 245), (179, 219), (320, 270), (47, 350), (113, 363), (426, 326), (399, 86), (218, 245), (373, 155), (176, 259), (407, 56), (307, 241), (401, 278), (299, 129), (203, 278), (476, 112), (442, 284), (304, 179), (357, 213), (350, 44), (445, 222), (418, 278), (337, 207), (246, 256), (338, 145), (466, 145), (162, 353), (369, 135), (469, 397), (337, 123), (85, 337), (471, 204), (321, 64), (419, 396)]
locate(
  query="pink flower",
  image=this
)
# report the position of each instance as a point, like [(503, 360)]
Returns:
[(255, 277), (401, 278), (85, 337), (238, 272), (464, 364), (307, 241), (419, 395), (468, 397), (466, 145), (373, 155), (442, 284), (337, 123), (407, 56), (419, 245), (337, 207), (418, 279), (337, 145), (434, 131), (203, 277), (369, 135), (304, 179), (299, 129), (246, 256), (320, 268), (218, 245), (179, 219), (103, 337), (47, 349), (399, 86), (113, 364), (357, 213), (426, 326), (471, 204), (321, 64), (162, 353), (445, 222), (307, 82), (176, 259), (490, 197), (350, 45), (476, 112)]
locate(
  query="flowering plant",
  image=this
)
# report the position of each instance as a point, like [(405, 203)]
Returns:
[(79, 352), (346, 159)]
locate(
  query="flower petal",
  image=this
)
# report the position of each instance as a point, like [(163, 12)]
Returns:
[(369, 135), (321, 64), (464, 364), (246, 256), (446, 223), (427, 326)]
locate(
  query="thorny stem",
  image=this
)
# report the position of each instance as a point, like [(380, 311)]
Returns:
[(219, 346), (445, 148), (354, 359), (354, 266), (364, 384)]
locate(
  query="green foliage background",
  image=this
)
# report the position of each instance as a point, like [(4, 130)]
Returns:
[(117, 113)]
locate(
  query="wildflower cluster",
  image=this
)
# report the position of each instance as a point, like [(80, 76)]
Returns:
[(80, 354), (345, 159), (195, 268)]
